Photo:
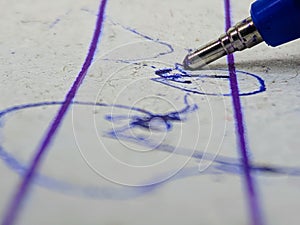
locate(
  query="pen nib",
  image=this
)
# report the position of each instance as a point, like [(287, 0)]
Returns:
[(243, 35), (186, 64), (197, 59)]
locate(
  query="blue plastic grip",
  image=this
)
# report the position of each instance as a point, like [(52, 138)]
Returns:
[(277, 21)]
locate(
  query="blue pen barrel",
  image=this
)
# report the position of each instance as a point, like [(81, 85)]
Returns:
[(277, 21)]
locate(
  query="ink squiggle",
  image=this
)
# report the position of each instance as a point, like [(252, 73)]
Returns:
[(169, 47), (177, 77), (221, 164), (144, 122)]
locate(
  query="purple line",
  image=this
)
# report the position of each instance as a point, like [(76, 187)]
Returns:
[(254, 207), (15, 205)]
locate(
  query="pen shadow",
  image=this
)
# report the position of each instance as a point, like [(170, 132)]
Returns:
[(267, 65)]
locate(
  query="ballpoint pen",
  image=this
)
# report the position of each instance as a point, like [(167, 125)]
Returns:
[(272, 21)]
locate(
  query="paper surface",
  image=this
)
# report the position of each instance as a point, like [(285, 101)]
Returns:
[(143, 141)]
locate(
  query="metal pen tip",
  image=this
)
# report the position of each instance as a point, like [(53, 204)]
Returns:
[(204, 55), (239, 37), (186, 63)]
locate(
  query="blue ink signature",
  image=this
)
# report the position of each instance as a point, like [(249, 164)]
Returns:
[(221, 164), (178, 78), (187, 81), (164, 122), (175, 77)]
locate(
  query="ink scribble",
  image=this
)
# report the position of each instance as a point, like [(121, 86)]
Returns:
[(149, 121), (172, 77), (187, 81), (221, 164)]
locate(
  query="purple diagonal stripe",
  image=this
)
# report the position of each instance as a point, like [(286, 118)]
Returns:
[(15, 205), (252, 196)]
